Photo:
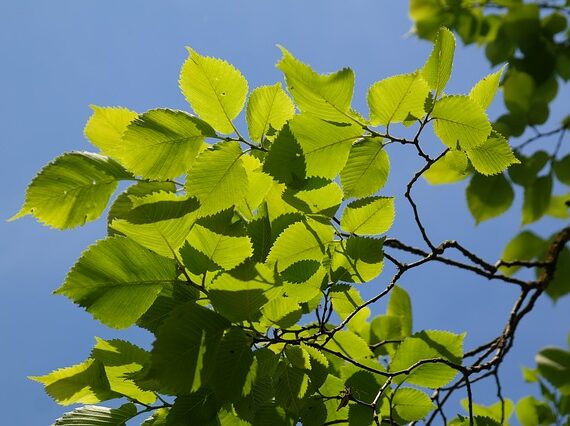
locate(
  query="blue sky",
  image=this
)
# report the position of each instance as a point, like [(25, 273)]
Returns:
[(60, 56)]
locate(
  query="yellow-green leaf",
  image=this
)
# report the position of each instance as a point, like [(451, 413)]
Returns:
[(366, 170), (215, 89), (73, 189), (368, 216), (162, 144), (324, 96), (218, 178), (106, 126), (395, 99), (493, 156), (460, 121), (484, 91), (268, 108), (437, 68)]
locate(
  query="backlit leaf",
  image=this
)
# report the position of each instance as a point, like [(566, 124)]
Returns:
[(366, 170), (159, 222), (437, 68), (395, 99), (73, 189), (217, 178), (427, 345), (84, 383), (484, 91), (93, 415), (411, 404), (325, 145), (117, 280), (369, 216), (300, 241), (324, 96), (460, 121), (106, 126), (215, 89), (162, 143), (268, 107), (493, 156), (525, 246), (120, 359), (452, 167)]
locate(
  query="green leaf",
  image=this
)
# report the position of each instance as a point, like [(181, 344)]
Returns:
[(84, 383), (197, 408), (93, 415), (368, 216), (395, 99), (525, 246), (285, 161), (218, 178), (484, 91), (562, 169), (259, 184), (117, 280), (493, 156), (162, 143), (498, 412), (290, 387), (489, 196), (314, 412), (238, 295), (123, 204), (281, 312), (234, 360), (525, 173), (554, 365), (325, 145), (168, 299), (317, 196), (272, 414), (158, 418), (366, 170), (183, 355), (298, 357), (73, 189), (357, 259), (324, 96), (120, 359), (350, 345), (452, 167), (222, 242), (158, 221), (536, 199), (300, 241), (558, 206), (106, 126), (460, 121), (268, 108), (303, 280), (345, 299), (531, 412), (400, 305), (426, 345), (437, 68), (215, 89), (411, 404), (560, 285)]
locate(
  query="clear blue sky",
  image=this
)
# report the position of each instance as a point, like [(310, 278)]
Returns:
[(60, 56)]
